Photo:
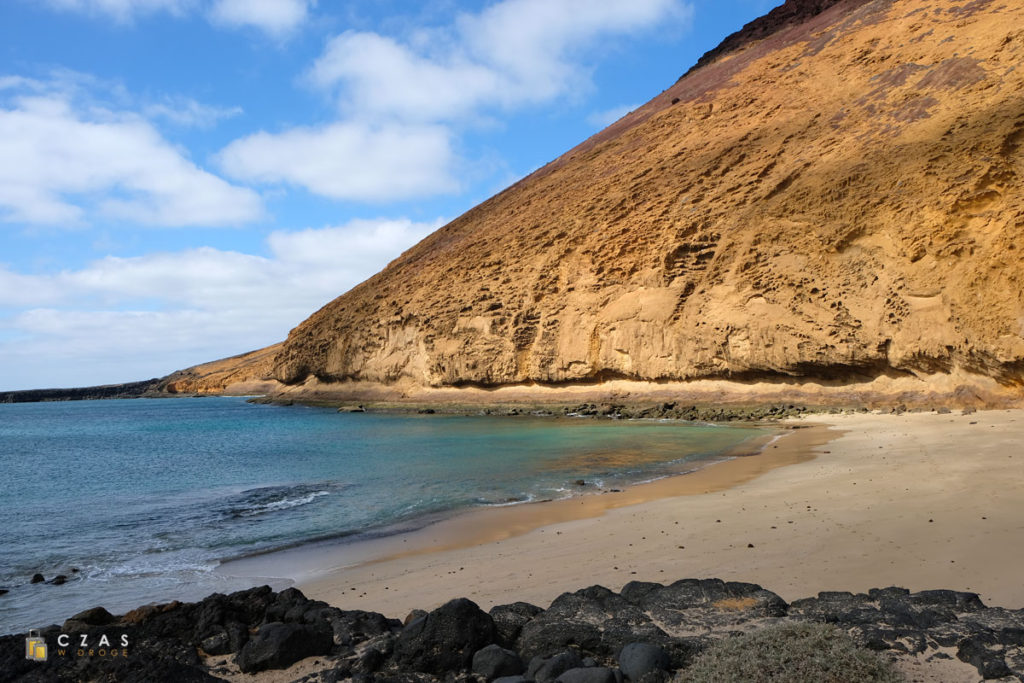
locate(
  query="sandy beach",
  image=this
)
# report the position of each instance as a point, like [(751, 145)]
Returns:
[(846, 502)]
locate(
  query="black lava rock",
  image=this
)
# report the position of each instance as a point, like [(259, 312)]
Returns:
[(980, 653), (444, 640), (597, 674), (510, 619), (569, 642), (543, 669), (638, 659), (279, 645), (97, 616), (356, 626), (495, 661), (369, 661), (595, 620)]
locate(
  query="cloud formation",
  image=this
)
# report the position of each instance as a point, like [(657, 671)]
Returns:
[(401, 102), (67, 165), (188, 113), (186, 307), (277, 18), (513, 53), (349, 160), (123, 10)]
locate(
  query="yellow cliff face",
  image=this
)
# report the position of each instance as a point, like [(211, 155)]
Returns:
[(840, 199), (245, 373)]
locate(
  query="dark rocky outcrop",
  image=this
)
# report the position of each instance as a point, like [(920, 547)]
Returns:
[(495, 661), (445, 639), (510, 619), (126, 390), (790, 13), (592, 674), (639, 659), (645, 633), (278, 645)]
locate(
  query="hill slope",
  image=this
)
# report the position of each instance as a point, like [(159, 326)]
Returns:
[(834, 195)]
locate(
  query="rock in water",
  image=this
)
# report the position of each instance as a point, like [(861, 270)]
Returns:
[(446, 639)]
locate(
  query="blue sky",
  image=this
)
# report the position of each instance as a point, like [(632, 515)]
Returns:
[(183, 180)]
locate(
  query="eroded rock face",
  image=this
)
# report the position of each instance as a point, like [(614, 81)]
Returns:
[(837, 198), (244, 370)]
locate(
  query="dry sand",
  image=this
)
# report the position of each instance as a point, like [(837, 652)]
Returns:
[(916, 500)]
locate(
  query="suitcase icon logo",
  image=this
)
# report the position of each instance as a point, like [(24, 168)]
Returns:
[(35, 646)]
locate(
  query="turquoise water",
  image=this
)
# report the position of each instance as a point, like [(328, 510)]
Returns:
[(146, 497)]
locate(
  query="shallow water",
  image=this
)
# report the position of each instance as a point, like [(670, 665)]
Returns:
[(146, 497)]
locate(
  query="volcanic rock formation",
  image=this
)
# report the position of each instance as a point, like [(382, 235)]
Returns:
[(832, 194), (639, 634)]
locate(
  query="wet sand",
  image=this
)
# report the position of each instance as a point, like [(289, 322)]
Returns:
[(922, 500)]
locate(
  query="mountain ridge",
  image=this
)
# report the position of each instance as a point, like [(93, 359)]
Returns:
[(828, 198)]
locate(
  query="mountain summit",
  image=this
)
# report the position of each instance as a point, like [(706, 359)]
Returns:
[(831, 197)]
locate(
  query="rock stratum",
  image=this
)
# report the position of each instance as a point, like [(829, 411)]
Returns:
[(832, 196)]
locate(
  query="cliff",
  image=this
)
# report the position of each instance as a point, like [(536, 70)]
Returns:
[(831, 196), (244, 373)]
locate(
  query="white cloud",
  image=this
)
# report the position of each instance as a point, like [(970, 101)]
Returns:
[(64, 165), (349, 160), (97, 325), (532, 41), (276, 17), (123, 10), (512, 53), (186, 112), (383, 77), (59, 348), (605, 118), (399, 101)]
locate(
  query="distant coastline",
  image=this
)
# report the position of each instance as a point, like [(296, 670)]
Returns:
[(147, 387)]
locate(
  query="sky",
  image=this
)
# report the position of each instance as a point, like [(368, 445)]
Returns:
[(185, 180)]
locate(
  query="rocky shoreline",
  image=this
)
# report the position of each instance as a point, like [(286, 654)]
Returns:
[(662, 410), (145, 388), (646, 633)]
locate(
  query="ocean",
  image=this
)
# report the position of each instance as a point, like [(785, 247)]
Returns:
[(137, 501)]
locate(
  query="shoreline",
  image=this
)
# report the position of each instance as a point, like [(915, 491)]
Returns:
[(919, 500), (589, 497), (309, 563), (841, 509)]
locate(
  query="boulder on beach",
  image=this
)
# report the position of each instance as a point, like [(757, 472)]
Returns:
[(278, 645), (445, 639)]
